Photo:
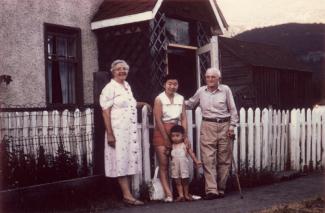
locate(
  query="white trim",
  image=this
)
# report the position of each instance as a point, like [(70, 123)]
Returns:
[(214, 8), (182, 46), (148, 15), (204, 49), (156, 8), (122, 20)]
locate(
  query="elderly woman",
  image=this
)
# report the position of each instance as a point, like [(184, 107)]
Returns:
[(169, 110), (122, 150)]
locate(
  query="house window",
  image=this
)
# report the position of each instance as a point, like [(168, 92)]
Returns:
[(63, 65)]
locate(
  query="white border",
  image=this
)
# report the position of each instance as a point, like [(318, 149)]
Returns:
[(217, 15), (148, 15)]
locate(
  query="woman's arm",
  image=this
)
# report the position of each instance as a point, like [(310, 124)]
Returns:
[(108, 124), (184, 119), (157, 112)]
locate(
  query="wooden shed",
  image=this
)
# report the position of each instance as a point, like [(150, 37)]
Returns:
[(157, 37), (262, 75)]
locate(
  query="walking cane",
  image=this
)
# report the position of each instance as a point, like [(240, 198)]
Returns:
[(235, 168)]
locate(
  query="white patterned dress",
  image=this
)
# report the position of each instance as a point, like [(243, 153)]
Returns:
[(125, 158)]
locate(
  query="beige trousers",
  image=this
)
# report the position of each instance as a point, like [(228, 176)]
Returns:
[(216, 155)]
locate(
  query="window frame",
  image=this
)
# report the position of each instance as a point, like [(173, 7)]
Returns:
[(54, 29)]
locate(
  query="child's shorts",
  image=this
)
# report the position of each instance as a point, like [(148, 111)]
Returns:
[(180, 167)]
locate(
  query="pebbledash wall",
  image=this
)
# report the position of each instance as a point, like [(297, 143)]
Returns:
[(22, 45)]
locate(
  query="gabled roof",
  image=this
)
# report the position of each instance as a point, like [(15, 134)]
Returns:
[(119, 12), (262, 55)]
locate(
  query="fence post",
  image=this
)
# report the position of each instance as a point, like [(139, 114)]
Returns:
[(309, 141), (278, 141), (270, 138), (89, 138), (198, 121), (314, 138), (19, 131), (293, 139), (145, 145), (26, 132), (190, 135), (258, 140), (318, 137), (282, 140), (323, 137), (303, 139), (265, 138), (242, 141), (250, 142)]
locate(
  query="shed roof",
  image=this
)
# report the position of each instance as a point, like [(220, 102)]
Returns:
[(263, 55), (119, 12)]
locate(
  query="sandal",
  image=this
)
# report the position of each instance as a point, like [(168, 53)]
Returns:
[(134, 202), (168, 199), (196, 197), (180, 199)]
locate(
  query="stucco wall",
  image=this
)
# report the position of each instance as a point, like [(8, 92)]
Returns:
[(22, 45)]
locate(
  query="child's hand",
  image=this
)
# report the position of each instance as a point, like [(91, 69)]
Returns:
[(198, 164), (167, 150)]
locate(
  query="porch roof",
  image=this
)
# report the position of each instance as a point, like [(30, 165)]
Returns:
[(262, 55), (119, 12)]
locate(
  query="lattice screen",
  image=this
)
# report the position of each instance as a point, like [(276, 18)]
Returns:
[(158, 51), (129, 43), (203, 38)]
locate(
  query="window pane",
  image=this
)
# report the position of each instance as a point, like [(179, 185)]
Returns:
[(72, 83), (50, 44), (61, 47), (67, 76), (177, 31), (71, 48), (49, 77)]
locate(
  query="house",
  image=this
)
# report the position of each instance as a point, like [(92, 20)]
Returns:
[(55, 52), (157, 37), (49, 51), (263, 75)]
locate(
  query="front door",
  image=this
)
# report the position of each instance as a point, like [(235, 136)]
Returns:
[(182, 62)]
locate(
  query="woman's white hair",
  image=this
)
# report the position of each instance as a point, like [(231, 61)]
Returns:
[(119, 61), (213, 71)]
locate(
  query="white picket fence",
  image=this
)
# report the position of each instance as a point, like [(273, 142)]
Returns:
[(31, 130), (266, 140)]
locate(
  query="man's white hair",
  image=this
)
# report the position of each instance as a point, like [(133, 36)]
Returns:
[(213, 71), (119, 61)]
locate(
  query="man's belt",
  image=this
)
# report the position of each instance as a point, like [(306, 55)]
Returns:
[(217, 120)]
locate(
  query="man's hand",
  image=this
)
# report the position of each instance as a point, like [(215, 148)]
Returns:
[(111, 140), (231, 133)]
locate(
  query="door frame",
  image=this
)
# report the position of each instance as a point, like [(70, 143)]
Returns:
[(211, 47)]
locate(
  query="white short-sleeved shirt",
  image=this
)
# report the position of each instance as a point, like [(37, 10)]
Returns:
[(171, 111)]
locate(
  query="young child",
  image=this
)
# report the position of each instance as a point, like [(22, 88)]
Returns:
[(180, 162)]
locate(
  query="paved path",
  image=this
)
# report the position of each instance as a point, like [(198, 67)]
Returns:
[(254, 198)]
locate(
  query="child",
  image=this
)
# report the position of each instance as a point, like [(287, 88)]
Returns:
[(180, 162)]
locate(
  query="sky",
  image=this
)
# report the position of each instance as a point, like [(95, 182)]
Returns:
[(243, 15)]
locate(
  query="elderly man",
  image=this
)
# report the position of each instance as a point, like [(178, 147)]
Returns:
[(217, 128)]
